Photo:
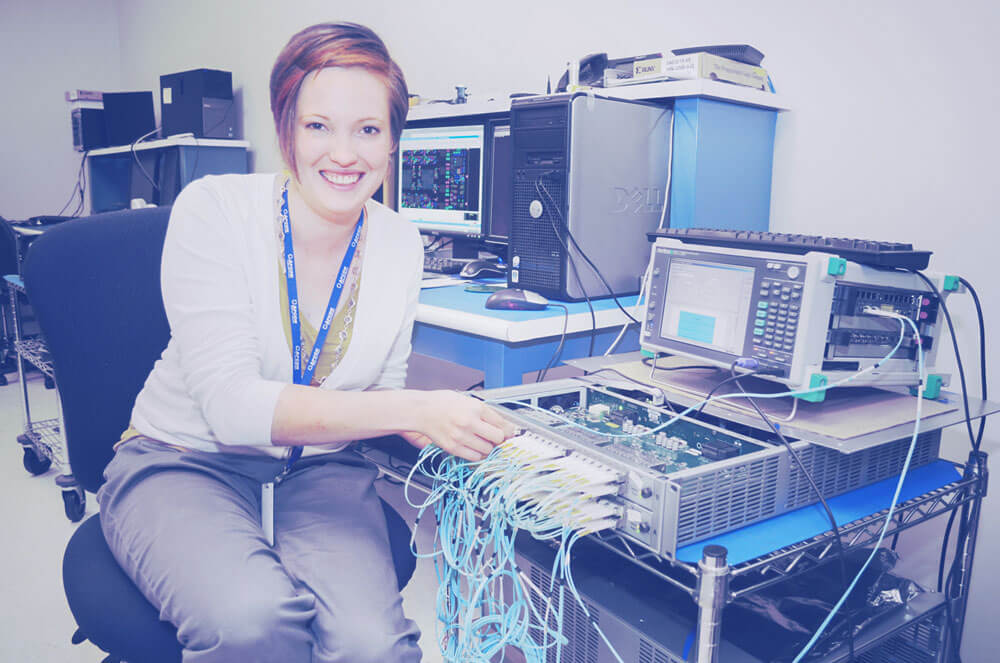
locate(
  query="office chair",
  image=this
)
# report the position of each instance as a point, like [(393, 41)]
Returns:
[(95, 286), (8, 265)]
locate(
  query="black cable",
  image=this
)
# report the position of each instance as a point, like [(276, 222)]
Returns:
[(76, 186), (481, 383), (958, 359), (83, 189), (648, 361), (944, 550), (438, 243), (975, 439), (953, 578), (559, 348), (136, 156), (539, 188), (819, 494), (579, 250), (644, 387), (982, 354), (733, 378)]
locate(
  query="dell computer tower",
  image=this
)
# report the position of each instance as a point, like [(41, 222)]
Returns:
[(589, 183), (200, 102)]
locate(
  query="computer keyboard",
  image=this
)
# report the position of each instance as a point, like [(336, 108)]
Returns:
[(43, 220), (862, 251), (436, 265)]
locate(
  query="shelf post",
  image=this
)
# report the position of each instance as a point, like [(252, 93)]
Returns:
[(713, 590)]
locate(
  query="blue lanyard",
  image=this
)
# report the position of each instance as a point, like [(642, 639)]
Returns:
[(300, 375)]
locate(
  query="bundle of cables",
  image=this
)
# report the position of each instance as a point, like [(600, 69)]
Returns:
[(485, 602)]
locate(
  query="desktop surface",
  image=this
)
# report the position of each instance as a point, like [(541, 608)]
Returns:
[(457, 298)]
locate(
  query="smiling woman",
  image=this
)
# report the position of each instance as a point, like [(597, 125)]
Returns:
[(291, 299), (342, 142)]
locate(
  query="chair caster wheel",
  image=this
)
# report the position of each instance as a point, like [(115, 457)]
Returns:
[(34, 463), (75, 504)]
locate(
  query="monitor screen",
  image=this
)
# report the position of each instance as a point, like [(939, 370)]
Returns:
[(501, 180), (708, 304), (440, 183)]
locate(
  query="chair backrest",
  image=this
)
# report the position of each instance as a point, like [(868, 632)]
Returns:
[(8, 249), (94, 284)]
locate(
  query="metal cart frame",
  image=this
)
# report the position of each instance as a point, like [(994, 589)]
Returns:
[(922, 628), (42, 440)]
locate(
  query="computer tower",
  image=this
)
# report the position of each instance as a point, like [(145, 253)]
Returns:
[(89, 132), (128, 116), (589, 175), (199, 101)]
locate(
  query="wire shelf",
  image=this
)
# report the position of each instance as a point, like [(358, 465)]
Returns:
[(47, 439), (783, 563), (35, 352)]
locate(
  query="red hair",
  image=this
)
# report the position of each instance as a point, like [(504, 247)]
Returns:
[(331, 45)]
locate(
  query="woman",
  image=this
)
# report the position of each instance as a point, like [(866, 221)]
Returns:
[(254, 554)]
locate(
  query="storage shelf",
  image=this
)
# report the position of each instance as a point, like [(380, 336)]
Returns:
[(35, 352), (47, 439), (789, 561)]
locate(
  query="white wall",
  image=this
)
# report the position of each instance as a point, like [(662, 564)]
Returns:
[(891, 134), (46, 48)]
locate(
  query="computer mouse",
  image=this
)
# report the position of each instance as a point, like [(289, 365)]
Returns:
[(515, 299), (482, 268)]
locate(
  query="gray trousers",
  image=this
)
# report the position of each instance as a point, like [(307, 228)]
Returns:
[(185, 526)]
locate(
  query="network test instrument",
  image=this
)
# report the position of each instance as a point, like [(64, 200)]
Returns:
[(694, 479), (806, 319)]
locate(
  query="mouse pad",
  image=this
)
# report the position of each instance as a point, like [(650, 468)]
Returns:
[(485, 287)]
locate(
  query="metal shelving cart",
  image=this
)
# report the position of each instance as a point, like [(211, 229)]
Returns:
[(919, 632), (42, 441), (919, 628)]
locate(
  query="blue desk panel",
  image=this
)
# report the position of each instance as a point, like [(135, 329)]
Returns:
[(505, 363)]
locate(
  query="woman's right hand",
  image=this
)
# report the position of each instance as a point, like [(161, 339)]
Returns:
[(461, 425)]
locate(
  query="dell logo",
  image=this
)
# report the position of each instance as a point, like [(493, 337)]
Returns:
[(637, 200)]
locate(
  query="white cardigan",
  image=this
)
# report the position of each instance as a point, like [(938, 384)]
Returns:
[(217, 383)]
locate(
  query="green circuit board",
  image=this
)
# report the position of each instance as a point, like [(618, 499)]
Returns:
[(627, 430)]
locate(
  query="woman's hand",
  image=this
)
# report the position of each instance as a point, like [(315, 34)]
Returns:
[(461, 425)]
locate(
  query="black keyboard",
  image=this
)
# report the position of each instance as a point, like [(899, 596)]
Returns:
[(861, 251), (437, 265)]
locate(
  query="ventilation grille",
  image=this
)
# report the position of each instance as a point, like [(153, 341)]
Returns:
[(918, 643), (726, 499), (583, 639), (650, 653), (534, 241), (836, 473)]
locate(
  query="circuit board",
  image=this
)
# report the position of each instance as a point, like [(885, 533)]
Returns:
[(621, 428)]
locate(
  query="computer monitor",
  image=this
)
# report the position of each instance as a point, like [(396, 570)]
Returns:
[(500, 182), (439, 181), (707, 304)]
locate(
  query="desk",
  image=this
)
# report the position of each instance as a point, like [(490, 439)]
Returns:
[(456, 326), (171, 162)]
